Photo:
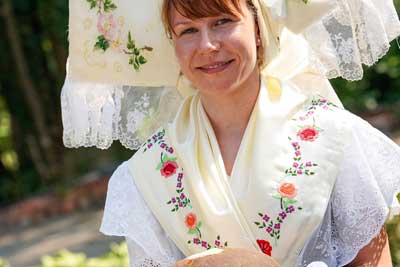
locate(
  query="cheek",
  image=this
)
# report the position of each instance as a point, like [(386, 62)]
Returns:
[(244, 49), (184, 53), (242, 40)]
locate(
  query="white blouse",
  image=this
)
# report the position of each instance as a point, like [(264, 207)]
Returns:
[(364, 197)]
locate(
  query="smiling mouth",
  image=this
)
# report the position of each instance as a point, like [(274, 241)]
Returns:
[(215, 67)]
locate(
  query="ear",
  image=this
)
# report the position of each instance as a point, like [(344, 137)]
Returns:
[(257, 34)]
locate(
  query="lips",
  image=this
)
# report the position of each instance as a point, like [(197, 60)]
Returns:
[(215, 67)]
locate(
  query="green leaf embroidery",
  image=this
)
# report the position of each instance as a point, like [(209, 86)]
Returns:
[(159, 166), (142, 60), (109, 6), (192, 231), (93, 3), (290, 201), (136, 59), (102, 43), (276, 196)]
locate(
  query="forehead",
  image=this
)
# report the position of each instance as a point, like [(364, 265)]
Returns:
[(196, 9)]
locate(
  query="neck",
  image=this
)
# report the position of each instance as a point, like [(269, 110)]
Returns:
[(229, 113)]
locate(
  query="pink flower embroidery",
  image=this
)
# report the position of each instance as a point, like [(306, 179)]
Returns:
[(107, 26), (169, 168), (308, 134)]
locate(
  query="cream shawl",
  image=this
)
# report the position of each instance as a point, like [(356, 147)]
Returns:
[(280, 184)]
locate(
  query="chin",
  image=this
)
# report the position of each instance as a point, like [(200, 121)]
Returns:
[(217, 84), (217, 87)]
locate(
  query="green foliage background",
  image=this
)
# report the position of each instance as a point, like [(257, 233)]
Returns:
[(117, 257)]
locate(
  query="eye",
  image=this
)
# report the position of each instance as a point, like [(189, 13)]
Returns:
[(222, 21), (187, 31)]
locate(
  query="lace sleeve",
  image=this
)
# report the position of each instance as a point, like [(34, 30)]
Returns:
[(126, 214), (364, 197)]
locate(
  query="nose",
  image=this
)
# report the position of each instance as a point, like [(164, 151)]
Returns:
[(208, 42)]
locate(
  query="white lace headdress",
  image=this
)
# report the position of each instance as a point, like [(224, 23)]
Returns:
[(122, 73)]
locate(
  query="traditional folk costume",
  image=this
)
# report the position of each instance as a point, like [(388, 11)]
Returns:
[(311, 184)]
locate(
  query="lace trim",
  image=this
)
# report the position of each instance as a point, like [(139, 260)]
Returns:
[(98, 114), (147, 263), (347, 38)]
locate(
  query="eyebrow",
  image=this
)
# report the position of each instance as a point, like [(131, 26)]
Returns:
[(180, 23)]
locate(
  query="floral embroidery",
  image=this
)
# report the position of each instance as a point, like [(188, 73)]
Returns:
[(286, 196), (191, 222), (107, 26), (110, 35), (194, 229), (140, 113), (181, 200), (265, 246), (168, 167), (308, 133), (299, 167), (158, 139), (315, 103), (287, 192)]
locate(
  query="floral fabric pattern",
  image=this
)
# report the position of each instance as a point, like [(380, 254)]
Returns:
[(287, 192), (265, 246), (110, 34), (168, 167)]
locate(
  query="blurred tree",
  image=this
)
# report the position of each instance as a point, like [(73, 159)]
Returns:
[(32, 64)]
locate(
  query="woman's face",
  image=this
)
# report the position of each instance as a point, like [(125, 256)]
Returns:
[(217, 54)]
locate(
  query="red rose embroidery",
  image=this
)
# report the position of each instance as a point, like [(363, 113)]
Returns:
[(308, 134), (191, 220), (265, 247), (169, 168)]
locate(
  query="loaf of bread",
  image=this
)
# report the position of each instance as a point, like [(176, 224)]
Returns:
[(229, 257)]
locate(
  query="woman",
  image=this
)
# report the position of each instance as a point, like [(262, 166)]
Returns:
[(252, 162)]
